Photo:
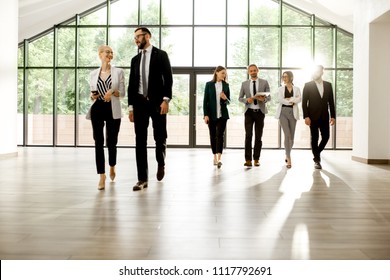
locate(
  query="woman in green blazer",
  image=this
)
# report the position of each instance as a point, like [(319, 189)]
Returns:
[(216, 99)]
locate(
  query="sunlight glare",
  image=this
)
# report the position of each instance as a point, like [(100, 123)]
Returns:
[(300, 249)]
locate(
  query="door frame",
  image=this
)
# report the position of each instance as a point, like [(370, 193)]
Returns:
[(193, 72)]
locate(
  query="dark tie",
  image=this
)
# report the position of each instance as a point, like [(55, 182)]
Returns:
[(144, 84), (254, 92)]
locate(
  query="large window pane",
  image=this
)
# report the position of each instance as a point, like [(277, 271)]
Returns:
[(344, 109), (210, 12), (66, 46), (179, 50), (237, 12), (264, 47), (66, 107), (150, 12), (179, 111), (324, 47), (235, 130), (124, 12), (20, 120), (202, 131), (237, 47), (40, 52), (264, 12), (296, 53), (209, 46), (85, 136), (98, 17), (271, 126), (171, 15), (20, 57), (40, 107), (90, 40), (344, 50), (329, 75), (292, 16), (122, 43)]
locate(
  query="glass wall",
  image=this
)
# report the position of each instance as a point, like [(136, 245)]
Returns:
[(54, 67)]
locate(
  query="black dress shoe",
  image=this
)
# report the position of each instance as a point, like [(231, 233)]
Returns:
[(160, 173), (317, 165), (140, 186)]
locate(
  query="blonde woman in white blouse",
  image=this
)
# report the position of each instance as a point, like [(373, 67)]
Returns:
[(107, 85), (287, 112)]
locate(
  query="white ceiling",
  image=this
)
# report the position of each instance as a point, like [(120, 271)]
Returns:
[(36, 16)]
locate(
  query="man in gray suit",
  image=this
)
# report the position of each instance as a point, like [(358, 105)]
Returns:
[(255, 110)]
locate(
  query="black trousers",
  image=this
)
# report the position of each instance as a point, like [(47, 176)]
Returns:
[(143, 111), (217, 133), (316, 127), (255, 117), (101, 114)]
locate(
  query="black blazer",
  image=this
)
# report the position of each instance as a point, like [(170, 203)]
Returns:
[(160, 78), (315, 107), (210, 101)]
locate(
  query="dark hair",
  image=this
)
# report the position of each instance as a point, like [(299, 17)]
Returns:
[(218, 69), (144, 30), (290, 76), (252, 65)]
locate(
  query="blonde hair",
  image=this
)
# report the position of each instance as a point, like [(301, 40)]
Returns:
[(102, 48)]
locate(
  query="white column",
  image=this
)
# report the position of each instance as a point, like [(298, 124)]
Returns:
[(371, 114), (8, 78)]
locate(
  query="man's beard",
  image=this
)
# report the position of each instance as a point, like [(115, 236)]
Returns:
[(142, 44)]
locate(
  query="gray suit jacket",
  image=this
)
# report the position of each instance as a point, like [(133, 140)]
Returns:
[(245, 93)]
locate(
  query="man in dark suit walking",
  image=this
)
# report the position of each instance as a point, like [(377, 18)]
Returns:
[(317, 103), (149, 93)]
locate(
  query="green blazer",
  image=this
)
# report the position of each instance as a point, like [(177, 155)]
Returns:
[(210, 102)]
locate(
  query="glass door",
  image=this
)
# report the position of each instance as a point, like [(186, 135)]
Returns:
[(185, 119), (201, 129)]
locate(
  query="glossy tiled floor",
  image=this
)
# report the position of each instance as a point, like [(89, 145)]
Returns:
[(50, 207)]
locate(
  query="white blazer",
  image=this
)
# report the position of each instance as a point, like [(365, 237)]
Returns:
[(282, 101), (118, 83)]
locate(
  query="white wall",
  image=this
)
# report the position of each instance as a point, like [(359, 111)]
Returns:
[(371, 129), (8, 78)]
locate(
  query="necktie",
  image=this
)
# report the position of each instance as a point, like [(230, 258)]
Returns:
[(254, 92), (144, 84)]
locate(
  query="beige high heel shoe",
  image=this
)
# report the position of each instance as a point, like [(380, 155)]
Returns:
[(112, 173), (102, 182), (288, 162)]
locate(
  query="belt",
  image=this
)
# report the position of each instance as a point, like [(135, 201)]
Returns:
[(254, 110), (288, 106)]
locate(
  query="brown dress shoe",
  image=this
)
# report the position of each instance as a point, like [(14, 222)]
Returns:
[(160, 173), (257, 162), (248, 163), (140, 186)]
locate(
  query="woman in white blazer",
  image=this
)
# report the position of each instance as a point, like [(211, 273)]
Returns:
[(287, 112), (107, 85)]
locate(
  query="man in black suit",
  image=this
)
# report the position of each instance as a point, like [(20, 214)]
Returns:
[(149, 93), (317, 103)]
